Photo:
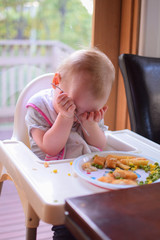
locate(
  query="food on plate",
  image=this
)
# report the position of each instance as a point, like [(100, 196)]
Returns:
[(124, 182), (123, 169), (119, 173), (123, 166), (99, 160), (109, 178), (88, 167), (113, 161), (134, 161), (114, 179)]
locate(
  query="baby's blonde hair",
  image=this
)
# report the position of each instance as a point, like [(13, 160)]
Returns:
[(94, 62)]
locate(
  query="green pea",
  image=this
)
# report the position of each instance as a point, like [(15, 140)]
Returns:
[(117, 177), (140, 166), (141, 183), (100, 166), (155, 179)]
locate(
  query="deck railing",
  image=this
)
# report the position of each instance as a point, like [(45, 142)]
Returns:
[(20, 62)]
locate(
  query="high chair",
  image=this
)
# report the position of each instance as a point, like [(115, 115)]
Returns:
[(20, 135), (42, 190), (20, 132), (19, 162)]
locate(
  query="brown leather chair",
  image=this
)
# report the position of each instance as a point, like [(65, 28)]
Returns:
[(141, 77)]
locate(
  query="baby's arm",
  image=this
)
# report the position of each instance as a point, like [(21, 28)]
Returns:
[(54, 140), (90, 122)]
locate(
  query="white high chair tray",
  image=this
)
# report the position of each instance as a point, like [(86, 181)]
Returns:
[(47, 188)]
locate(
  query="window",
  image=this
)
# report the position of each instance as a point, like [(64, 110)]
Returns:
[(68, 21), (35, 36)]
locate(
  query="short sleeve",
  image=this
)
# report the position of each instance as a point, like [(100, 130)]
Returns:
[(34, 119)]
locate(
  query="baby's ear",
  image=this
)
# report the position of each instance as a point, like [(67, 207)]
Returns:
[(56, 79)]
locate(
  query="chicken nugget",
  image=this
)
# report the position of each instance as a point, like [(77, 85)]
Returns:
[(111, 162), (108, 178), (88, 167), (119, 173), (136, 161), (124, 182), (99, 160), (118, 157), (123, 166)]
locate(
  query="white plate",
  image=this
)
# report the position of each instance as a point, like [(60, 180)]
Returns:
[(93, 176)]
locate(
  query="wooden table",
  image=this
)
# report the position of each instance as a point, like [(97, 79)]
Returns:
[(125, 214)]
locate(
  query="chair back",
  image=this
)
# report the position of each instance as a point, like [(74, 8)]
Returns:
[(20, 131), (141, 77)]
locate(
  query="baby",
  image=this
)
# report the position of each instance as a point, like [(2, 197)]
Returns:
[(83, 83), (84, 80)]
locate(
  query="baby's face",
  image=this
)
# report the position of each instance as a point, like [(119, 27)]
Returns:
[(85, 102), (82, 96)]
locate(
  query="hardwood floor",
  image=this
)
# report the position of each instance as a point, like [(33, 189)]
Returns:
[(12, 221)]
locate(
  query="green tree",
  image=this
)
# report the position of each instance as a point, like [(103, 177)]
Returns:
[(64, 20)]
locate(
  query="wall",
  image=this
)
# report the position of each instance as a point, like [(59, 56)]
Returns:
[(149, 39)]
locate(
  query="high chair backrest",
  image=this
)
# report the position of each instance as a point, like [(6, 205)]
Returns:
[(20, 131)]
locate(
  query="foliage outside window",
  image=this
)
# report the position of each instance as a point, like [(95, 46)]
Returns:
[(64, 20), (35, 36)]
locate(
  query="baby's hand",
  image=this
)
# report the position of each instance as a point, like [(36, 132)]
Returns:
[(65, 105), (94, 116)]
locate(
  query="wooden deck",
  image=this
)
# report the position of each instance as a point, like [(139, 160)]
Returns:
[(12, 221), (5, 134)]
